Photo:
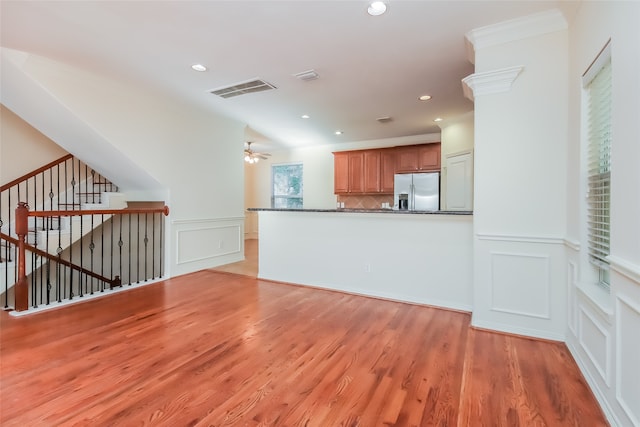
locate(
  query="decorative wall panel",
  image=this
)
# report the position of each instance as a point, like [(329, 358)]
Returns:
[(595, 341), (207, 242), (628, 357), (520, 284), (572, 308)]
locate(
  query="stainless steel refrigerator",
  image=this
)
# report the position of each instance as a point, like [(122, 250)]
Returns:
[(422, 191)]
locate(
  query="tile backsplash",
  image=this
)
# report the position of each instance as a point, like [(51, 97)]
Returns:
[(365, 202)]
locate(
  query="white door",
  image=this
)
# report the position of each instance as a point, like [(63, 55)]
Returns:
[(459, 182)]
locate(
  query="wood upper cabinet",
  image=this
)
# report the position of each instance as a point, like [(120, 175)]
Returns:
[(387, 170), (348, 172), (418, 158), (340, 172), (356, 172), (372, 171)]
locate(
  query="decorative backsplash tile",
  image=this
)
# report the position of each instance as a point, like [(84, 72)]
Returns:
[(366, 202)]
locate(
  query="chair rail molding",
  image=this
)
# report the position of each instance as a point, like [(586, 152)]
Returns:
[(548, 240), (626, 268)]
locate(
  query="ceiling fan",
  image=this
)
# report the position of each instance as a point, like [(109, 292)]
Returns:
[(251, 156)]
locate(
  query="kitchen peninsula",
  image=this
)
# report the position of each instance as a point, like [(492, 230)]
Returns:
[(413, 256)]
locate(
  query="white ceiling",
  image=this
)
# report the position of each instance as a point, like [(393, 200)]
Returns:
[(369, 66)]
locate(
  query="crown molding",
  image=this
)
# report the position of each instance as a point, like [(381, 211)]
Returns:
[(515, 29), (490, 82)]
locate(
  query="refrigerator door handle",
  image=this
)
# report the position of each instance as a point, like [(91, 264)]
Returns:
[(412, 197)]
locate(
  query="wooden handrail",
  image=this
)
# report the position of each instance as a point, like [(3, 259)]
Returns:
[(21, 224), (164, 210), (36, 172), (50, 257)]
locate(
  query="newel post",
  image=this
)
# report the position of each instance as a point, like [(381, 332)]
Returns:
[(22, 228)]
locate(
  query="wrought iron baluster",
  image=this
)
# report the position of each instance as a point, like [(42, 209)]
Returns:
[(138, 249), (161, 256), (113, 224), (153, 245), (81, 291), (120, 249), (48, 274), (130, 227), (146, 241), (92, 246)]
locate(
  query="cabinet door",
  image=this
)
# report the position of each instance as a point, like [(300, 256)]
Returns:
[(372, 171), (340, 173), (407, 159), (387, 170), (356, 172), (429, 157)]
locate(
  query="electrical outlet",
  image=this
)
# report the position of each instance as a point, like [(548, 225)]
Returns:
[(220, 244), (367, 268)]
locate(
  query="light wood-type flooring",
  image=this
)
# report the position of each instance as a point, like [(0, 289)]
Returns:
[(219, 349)]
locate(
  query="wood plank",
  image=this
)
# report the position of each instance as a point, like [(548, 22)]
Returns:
[(214, 348)]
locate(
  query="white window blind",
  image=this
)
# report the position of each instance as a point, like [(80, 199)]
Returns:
[(599, 167)]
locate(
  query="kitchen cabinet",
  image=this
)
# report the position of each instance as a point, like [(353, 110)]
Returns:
[(356, 172), (418, 158), (371, 171), (348, 172), (340, 172), (387, 170)]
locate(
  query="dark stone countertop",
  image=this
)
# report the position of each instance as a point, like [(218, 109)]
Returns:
[(385, 211)]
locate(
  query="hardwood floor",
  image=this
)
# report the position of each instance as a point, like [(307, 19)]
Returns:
[(216, 349), (248, 267)]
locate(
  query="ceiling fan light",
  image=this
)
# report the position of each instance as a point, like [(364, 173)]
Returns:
[(247, 158)]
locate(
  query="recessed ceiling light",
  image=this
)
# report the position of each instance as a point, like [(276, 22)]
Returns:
[(305, 116), (425, 97), (338, 132), (377, 8), (198, 67), (437, 119)]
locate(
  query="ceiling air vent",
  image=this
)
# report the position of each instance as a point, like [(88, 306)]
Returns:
[(243, 88), (307, 75)]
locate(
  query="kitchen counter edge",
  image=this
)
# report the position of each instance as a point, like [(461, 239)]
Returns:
[(386, 211)]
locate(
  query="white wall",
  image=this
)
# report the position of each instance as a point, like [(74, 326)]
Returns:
[(457, 139), (603, 327), (407, 257), (19, 140), (520, 190), (457, 135), (190, 157)]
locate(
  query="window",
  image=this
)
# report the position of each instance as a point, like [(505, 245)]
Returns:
[(286, 186), (597, 83)]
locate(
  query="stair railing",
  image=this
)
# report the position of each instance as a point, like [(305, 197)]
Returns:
[(63, 184), (105, 248)]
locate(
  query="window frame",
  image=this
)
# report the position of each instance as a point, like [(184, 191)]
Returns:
[(597, 175), (287, 196)]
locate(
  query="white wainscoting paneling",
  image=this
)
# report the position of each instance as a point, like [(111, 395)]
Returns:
[(572, 302), (628, 357), (201, 244), (595, 340), (520, 284)]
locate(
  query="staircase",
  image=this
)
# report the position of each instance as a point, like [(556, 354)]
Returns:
[(81, 239)]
